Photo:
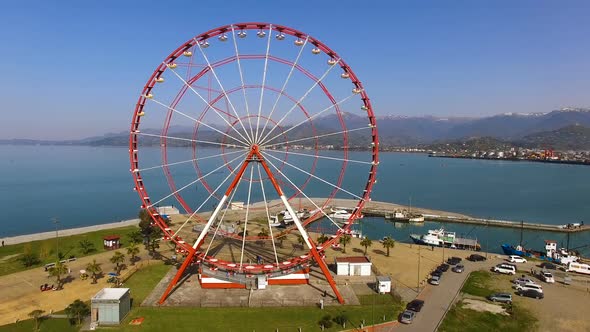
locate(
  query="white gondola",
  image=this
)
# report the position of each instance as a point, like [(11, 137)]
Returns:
[(299, 42), (316, 50), (242, 34), (332, 62), (356, 90), (187, 53), (261, 34), (149, 96), (160, 80), (141, 114), (172, 65), (345, 75), (222, 37), (204, 44), (364, 108), (280, 36)]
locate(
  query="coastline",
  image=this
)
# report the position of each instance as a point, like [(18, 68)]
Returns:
[(67, 232)]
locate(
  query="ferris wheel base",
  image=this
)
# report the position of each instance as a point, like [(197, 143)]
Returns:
[(212, 281)]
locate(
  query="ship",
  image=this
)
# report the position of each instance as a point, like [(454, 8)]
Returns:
[(442, 238), (409, 217), (551, 254)]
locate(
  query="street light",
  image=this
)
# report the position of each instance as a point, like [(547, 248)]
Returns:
[(418, 284), (56, 223)]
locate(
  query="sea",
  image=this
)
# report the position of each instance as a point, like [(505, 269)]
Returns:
[(82, 185)]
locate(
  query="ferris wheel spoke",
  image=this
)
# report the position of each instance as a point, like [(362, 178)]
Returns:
[(284, 85), (306, 120), (198, 121), (209, 197), (302, 193), (324, 157), (250, 139), (246, 217), (227, 206), (315, 137), (301, 99), (242, 79), (313, 176), (187, 161), (274, 248), (197, 180), (263, 82), (193, 140), (209, 104)]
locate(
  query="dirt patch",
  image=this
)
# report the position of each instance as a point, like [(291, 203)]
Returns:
[(482, 306), (6, 258)]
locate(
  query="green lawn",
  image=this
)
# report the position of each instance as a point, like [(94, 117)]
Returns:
[(479, 284), (46, 249), (142, 282), (48, 325), (462, 319)]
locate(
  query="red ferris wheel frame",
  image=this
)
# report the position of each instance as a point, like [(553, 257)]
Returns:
[(254, 154)]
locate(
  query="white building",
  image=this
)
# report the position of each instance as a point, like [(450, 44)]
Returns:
[(167, 210), (109, 306), (383, 284), (353, 266)]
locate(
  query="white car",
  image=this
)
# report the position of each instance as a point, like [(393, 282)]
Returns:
[(516, 259), (547, 277), (522, 281), (526, 287)]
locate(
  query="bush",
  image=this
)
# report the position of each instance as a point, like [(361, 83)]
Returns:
[(326, 321), (341, 319), (30, 259)]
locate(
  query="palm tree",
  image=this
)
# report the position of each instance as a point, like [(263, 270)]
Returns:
[(77, 310), (262, 234), (388, 243), (57, 271), (94, 269), (344, 240), (366, 242), (86, 246), (322, 238), (36, 315), (132, 251), (117, 259), (135, 237), (301, 240)]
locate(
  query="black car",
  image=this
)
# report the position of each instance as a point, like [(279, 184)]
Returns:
[(437, 273), (453, 260), (476, 258), (548, 266), (530, 293), (443, 267), (415, 305)]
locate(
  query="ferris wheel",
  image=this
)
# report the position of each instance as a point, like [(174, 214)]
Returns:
[(257, 132)]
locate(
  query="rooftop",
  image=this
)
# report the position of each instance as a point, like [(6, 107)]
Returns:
[(110, 294), (352, 259), (111, 237), (383, 278)]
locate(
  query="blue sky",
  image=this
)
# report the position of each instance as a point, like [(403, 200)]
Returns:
[(74, 69)]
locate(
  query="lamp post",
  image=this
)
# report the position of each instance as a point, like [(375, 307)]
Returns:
[(56, 223), (418, 284)]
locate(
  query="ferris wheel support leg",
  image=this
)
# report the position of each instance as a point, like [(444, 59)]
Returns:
[(177, 277)]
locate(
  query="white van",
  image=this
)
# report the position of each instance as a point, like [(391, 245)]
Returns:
[(578, 267), (528, 286), (505, 269)]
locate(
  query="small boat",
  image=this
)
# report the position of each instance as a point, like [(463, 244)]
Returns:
[(340, 214), (551, 254), (442, 238), (273, 221)]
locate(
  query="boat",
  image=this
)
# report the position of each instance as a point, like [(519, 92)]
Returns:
[(339, 214), (551, 254), (274, 221), (442, 238)]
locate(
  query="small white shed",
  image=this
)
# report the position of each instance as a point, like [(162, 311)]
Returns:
[(383, 284), (353, 266), (109, 306)]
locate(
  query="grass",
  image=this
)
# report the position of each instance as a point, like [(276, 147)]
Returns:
[(46, 249), (47, 325), (462, 319), (142, 282), (478, 283)]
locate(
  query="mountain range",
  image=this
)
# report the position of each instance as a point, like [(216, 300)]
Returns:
[(564, 128)]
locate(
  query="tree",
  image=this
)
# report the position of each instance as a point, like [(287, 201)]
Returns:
[(388, 243), (94, 269), (132, 251), (326, 321), (341, 319), (30, 259), (366, 242), (57, 271), (117, 259), (135, 237), (77, 310), (300, 240), (344, 240), (323, 238), (37, 315), (262, 234), (86, 246)]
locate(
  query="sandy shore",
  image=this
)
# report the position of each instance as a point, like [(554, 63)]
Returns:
[(67, 232)]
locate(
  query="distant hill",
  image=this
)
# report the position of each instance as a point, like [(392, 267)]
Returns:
[(573, 137)]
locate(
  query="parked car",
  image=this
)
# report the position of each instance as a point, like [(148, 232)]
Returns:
[(415, 305), (458, 268), (476, 258), (530, 293), (434, 280), (505, 269), (547, 277), (407, 317), (516, 259), (548, 266), (437, 273), (529, 286), (523, 280), (500, 297), (454, 260), (443, 267)]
